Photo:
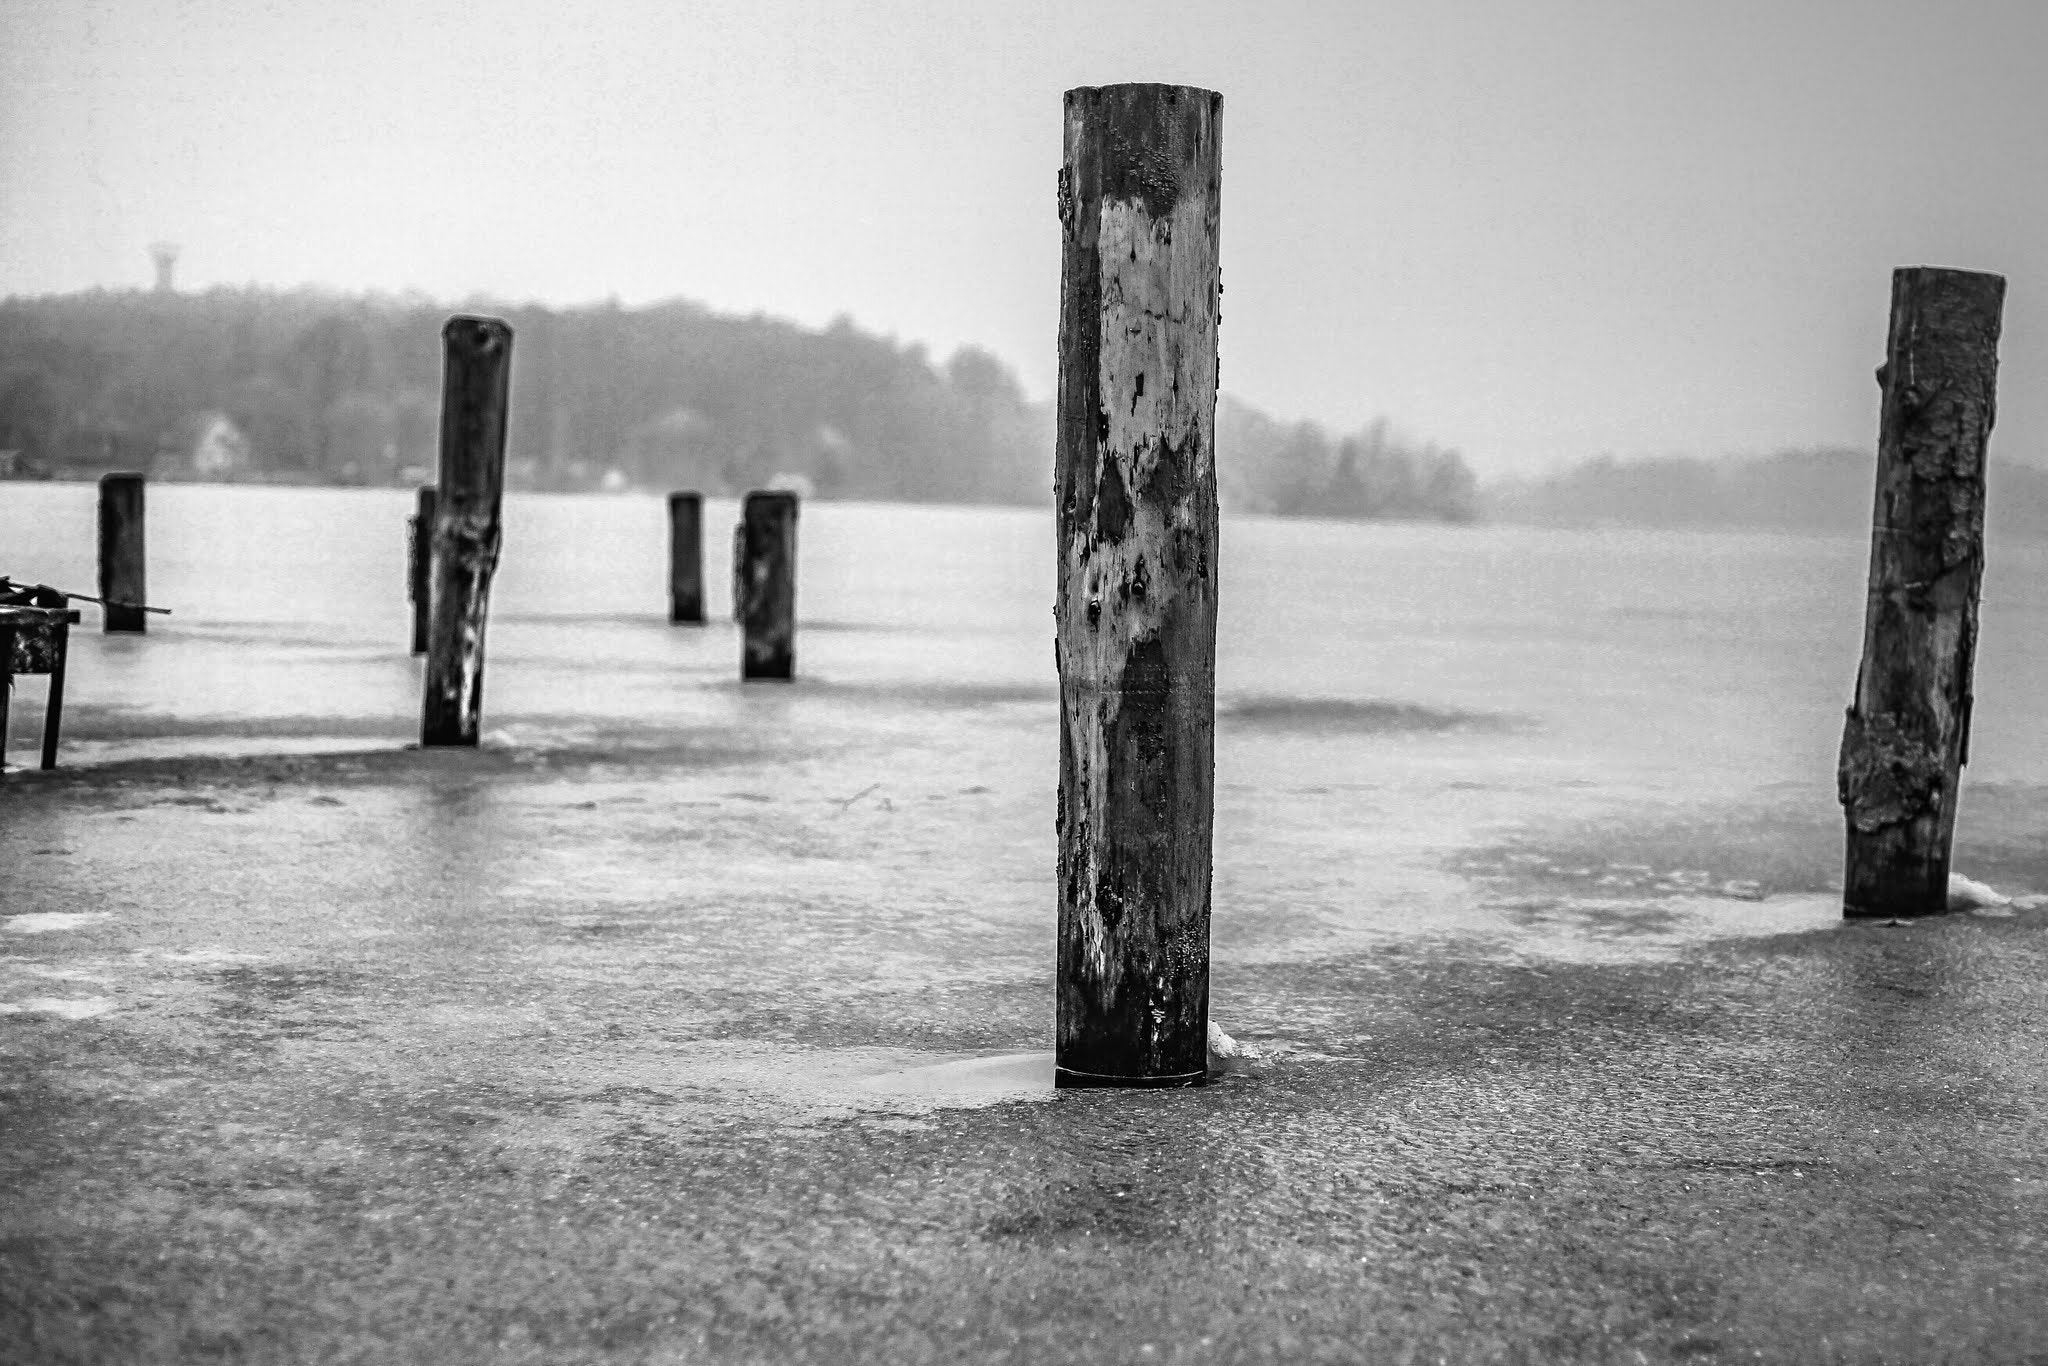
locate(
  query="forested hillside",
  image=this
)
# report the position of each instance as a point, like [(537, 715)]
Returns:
[(317, 387), (346, 390), (1297, 469)]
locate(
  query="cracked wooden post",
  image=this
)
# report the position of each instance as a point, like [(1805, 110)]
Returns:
[(122, 580), (767, 585), (419, 585), (1136, 613), (475, 394), (686, 558), (1908, 731)]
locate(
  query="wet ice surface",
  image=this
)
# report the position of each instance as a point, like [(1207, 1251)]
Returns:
[(43, 922), (691, 1020), (64, 1007)]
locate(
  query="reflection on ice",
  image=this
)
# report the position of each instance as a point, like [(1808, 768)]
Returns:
[(968, 1081), (794, 1084)]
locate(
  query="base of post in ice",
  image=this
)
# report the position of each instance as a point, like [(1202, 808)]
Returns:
[(1067, 1079)]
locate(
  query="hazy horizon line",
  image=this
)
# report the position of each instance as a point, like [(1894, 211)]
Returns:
[(413, 294)]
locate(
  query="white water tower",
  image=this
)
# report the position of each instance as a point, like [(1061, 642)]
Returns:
[(165, 254)]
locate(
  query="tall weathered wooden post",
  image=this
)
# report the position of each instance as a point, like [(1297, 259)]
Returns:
[(123, 586), (686, 558), (475, 394), (419, 584), (1135, 489), (1908, 732), (767, 585)]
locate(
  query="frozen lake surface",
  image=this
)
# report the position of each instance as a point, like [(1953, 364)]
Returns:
[(1401, 707), (1670, 659), (693, 1021)]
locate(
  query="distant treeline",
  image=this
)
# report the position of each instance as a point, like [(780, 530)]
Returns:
[(317, 387), (335, 389), (1297, 469), (1828, 489)]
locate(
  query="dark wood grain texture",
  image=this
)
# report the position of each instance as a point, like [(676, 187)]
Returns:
[(767, 585), (475, 398), (686, 558), (1135, 618), (123, 580), (419, 580), (1908, 730)]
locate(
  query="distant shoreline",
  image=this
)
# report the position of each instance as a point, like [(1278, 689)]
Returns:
[(1811, 493)]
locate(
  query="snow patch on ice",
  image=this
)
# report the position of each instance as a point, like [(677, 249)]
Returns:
[(211, 957), (43, 922), (80, 1008), (64, 974), (1967, 894), (1221, 1045)]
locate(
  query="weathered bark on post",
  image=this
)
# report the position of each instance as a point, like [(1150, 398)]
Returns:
[(475, 394), (1136, 613), (686, 558), (122, 579), (1908, 731), (419, 585), (767, 587)]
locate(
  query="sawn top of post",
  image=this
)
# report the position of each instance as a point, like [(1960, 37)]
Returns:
[(477, 330)]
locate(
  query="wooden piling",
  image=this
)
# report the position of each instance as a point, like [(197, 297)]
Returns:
[(419, 585), (123, 585), (686, 558), (1135, 621), (7, 636), (475, 394), (739, 570), (1908, 731), (767, 586)]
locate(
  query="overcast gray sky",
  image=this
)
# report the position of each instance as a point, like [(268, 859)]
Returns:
[(1534, 231)]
